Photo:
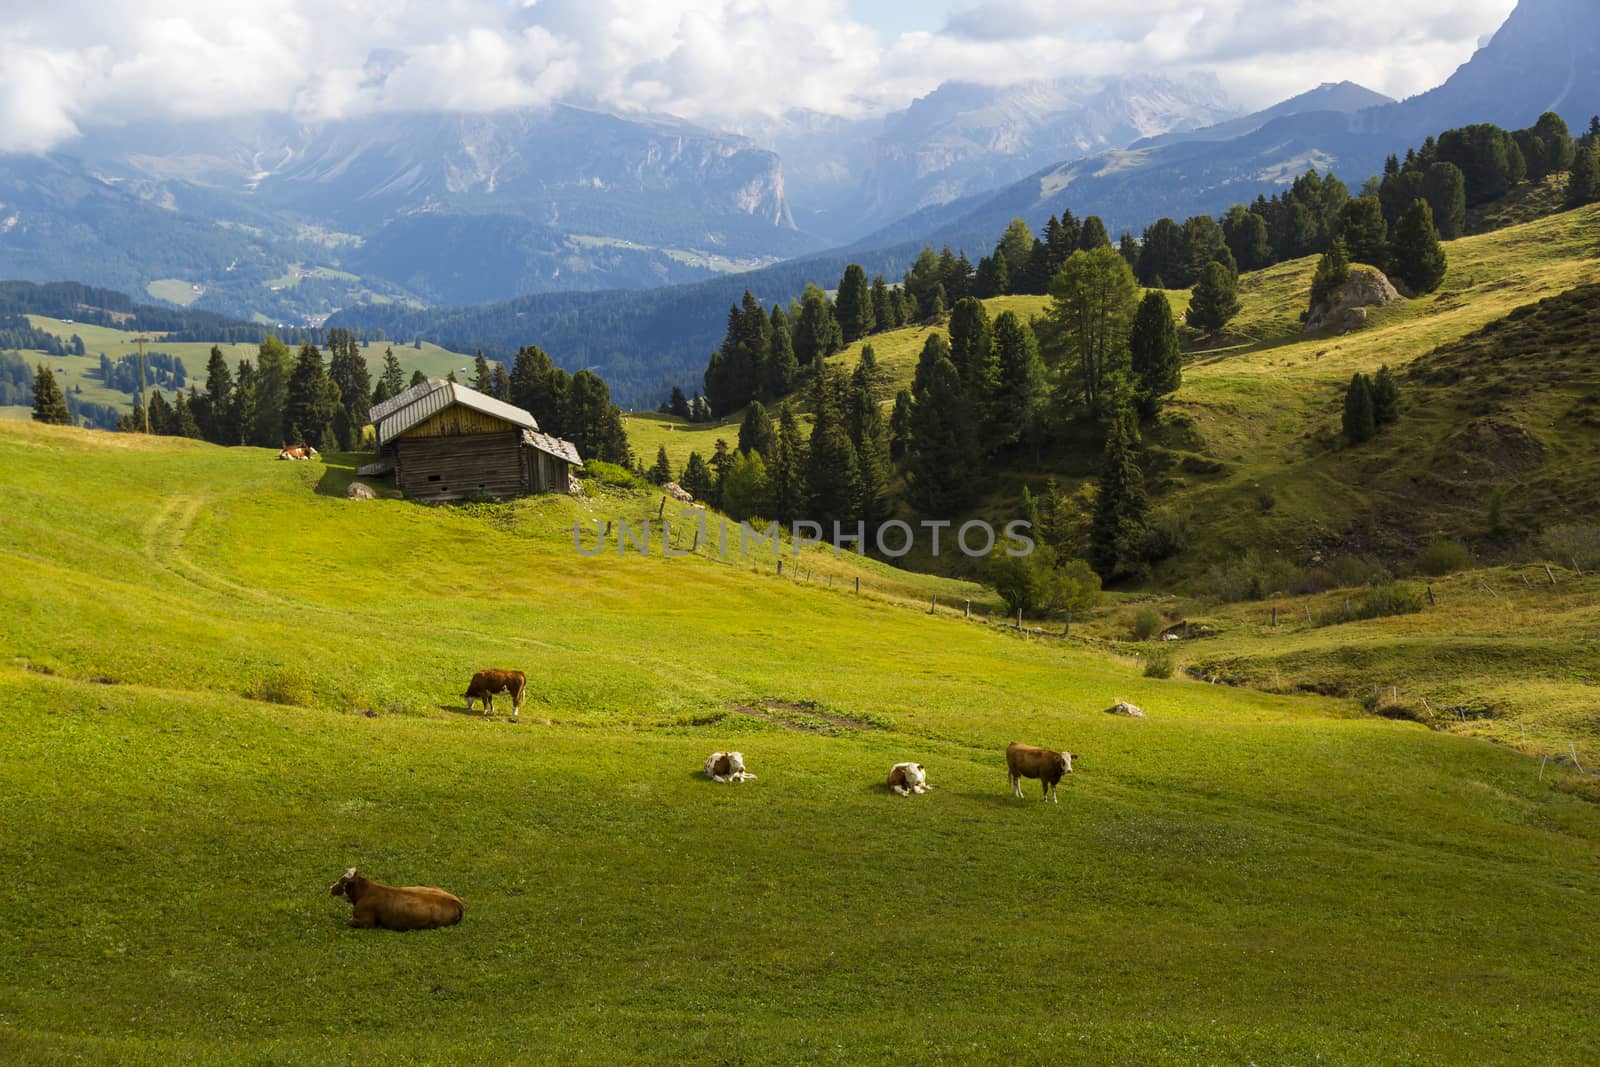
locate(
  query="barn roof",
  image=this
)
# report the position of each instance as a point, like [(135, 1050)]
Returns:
[(555, 446), (416, 405)]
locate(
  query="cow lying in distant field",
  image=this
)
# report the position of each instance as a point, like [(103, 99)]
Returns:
[(726, 767), (298, 452), (388, 907), (485, 684), (908, 778), (1045, 764)]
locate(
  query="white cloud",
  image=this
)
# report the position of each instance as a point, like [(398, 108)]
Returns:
[(71, 64)]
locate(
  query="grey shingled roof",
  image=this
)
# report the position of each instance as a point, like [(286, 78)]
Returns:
[(555, 446), (421, 402)]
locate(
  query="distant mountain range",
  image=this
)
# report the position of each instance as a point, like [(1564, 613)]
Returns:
[(1543, 58)]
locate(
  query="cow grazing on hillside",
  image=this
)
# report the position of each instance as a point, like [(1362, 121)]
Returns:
[(727, 767), (1045, 764), (908, 778), (297, 452), (389, 907), (485, 684)]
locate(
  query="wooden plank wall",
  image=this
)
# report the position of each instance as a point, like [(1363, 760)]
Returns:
[(458, 466), (456, 420)]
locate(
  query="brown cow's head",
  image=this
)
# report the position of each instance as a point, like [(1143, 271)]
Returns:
[(341, 888)]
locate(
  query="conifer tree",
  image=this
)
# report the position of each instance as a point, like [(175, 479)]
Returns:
[(1017, 409), (1360, 422), (313, 401), (244, 404), (1332, 271), (270, 427), (1583, 187), (418, 378), (183, 422), (1417, 258), (661, 472), (1118, 531), (942, 457), (502, 382), (592, 422), (1092, 300), (1157, 362), (482, 377), (1364, 232), (1215, 301), (885, 311), (49, 404), (678, 403), (900, 425), (721, 462), (853, 305), (696, 478), (782, 366), (347, 369), (817, 334), (972, 348), (833, 471), (1385, 398), (1093, 235), (786, 474), (746, 491), (534, 387), (1245, 231), (221, 423), (868, 375), (755, 432), (160, 413), (393, 375), (1445, 190), (935, 348)]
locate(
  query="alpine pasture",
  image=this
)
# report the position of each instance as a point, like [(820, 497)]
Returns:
[(222, 684)]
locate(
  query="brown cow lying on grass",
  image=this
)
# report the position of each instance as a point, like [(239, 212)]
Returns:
[(1045, 764), (388, 907), (727, 767), (485, 684), (908, 778), (300, 451)]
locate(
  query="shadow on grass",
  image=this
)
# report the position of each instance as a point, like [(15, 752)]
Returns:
[(339, 471)]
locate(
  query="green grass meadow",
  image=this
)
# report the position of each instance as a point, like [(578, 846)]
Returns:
[(221, 684)]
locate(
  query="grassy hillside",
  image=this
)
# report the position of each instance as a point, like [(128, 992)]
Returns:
[(74, 371), (222, 683)]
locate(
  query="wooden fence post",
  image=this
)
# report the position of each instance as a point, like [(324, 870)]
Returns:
[(1308, 613), (933, 605), (858, 585), (1431, 601), (780, 568), (1548, 573), (1066, 631), (966, 610), (1274, 616), (1019, 618), (1486, 589), (662, 510)]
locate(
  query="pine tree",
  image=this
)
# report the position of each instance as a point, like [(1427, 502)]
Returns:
[(853, 305), (49, 405), (1363, 231), (833, 471), (1385, 398), (1445, 190), (1583, 187), (721, 462), (885, 311), (160, 413), (482, 377), (1156, 359), (696, 480), (347, 369), (1117, 534), (244, 403), (972, 348), (592, 422), (1215, 301), (942, 457), (393, 375), (786, 474), (221, 423), (1093, 235), (747, 488), (1332, 271), (1245, 231), (1360, 422), (661, 472), (183, 421), (935, 348), (900, 425), (782, 366), (502, 383), (1092, 300), (534, 387), (313, 401), (1017, 409), (678, 404), (817, 335), (418, 378), (755, 432), (1417, 258), (270, 426)]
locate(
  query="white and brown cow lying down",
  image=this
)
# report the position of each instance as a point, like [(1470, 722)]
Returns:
[(388, 907), (908, 778), (297, 452), (727, 767), (485, 684), (1045, 764)]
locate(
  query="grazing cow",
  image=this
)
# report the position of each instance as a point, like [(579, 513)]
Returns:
[(1045, 764), (727, 767), (297, 452), (389, 907), (908, 778), (485, 684)]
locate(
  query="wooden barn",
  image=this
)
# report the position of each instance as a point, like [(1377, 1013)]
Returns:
[(445, 441)]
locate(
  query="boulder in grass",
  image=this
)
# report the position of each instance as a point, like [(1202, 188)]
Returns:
[(1122, 707), (360, 491)]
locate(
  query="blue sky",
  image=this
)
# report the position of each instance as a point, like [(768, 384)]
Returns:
[(892, 17)]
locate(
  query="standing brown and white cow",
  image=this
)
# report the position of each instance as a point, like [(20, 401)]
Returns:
[(485, 684), (1045, 764)]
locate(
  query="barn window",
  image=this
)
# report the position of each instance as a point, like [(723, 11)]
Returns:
[(433, 477)]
